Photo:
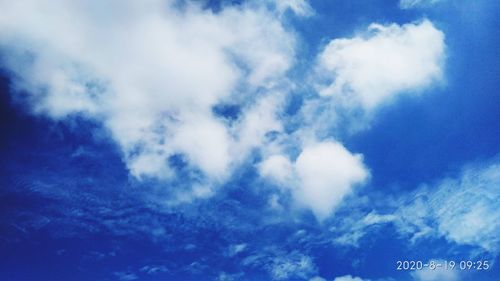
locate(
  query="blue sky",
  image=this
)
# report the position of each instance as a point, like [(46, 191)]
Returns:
[(248, 140)]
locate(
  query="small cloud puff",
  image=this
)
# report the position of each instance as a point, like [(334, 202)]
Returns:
[(321, 176)]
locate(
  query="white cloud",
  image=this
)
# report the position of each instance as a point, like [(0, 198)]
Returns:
[(257, 121), (347, 278), (151, 73), (277, 168), (327, 172), (321, 176), (204, 141), (437, 274), (389, 60)]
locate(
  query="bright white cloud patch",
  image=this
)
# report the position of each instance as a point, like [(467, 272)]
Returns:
[(321, 176), (152, 72), (390, 59), (327, 172)]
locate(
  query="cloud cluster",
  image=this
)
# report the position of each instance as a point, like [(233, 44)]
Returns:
[(362, 72), (152, 72)]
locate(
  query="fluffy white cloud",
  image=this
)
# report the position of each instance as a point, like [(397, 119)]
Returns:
[(327, 172), (321, 176), (152, 72), (372, 68)]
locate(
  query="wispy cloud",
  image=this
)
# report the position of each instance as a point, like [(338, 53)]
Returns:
[(461, 209), (411, 4)]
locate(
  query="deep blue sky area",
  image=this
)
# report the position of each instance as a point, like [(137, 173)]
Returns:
[(72, 209)]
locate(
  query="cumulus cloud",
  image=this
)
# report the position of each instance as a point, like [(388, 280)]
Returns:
[(327, 172), (152, 72), (388, 60), (321, 176)]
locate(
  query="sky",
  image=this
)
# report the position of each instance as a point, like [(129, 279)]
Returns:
[(249, 140)]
